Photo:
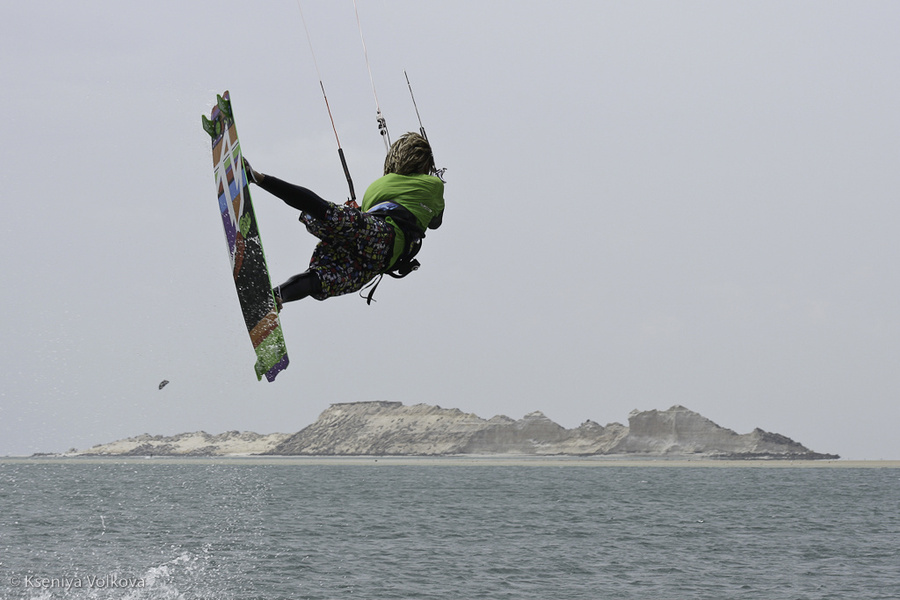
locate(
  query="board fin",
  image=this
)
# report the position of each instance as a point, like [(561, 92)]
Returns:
[(224, 105), (212, 127)]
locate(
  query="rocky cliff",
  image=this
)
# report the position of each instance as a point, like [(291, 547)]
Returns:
[(682, 431), (390, 428)]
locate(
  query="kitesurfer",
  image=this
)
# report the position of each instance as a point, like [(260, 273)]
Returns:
[(359, 244)]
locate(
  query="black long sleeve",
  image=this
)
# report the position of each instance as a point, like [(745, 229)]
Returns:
[(296, 196)]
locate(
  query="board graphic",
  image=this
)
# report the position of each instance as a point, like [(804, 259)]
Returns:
[(248, 262)]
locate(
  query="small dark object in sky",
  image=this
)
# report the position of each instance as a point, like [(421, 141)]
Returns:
[(163, 383)]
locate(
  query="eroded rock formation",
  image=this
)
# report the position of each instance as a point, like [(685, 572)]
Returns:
[(390, 428)]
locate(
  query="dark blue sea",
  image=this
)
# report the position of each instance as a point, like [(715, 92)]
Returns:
[(246, 529)]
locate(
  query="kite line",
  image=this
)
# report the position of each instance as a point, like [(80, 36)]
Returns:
[(352, 200), (382, 123), (379, 116)]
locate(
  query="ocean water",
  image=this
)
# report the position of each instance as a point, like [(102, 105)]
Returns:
[(162, 529)]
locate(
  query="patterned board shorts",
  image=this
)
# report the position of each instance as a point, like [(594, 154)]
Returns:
[(354, 248)]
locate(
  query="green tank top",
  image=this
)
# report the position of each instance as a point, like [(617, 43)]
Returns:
[(422, 195)]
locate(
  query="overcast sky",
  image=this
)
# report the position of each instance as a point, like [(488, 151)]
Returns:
[(648, 204)]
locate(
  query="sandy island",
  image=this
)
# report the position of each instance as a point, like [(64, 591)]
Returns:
[(461, 461)]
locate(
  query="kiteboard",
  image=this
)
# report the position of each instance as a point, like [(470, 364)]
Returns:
[(248, 262)]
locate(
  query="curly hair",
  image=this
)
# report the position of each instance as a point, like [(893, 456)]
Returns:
[(409, 155)]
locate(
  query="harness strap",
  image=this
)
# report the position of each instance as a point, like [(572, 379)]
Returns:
[(412, 235), (371, 286), (412, 243)]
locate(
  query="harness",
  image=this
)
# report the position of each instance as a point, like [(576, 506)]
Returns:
[(412, 241)]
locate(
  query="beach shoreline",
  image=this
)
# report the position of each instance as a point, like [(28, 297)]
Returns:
[(459, 461)]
